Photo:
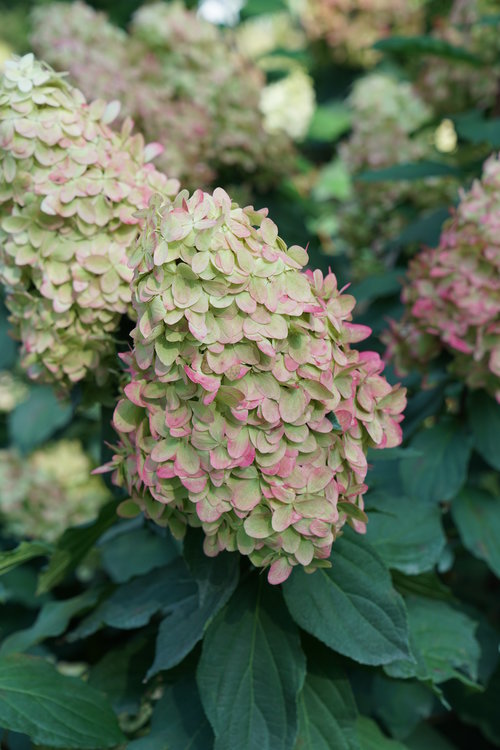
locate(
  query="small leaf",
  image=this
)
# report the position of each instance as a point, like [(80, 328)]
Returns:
[(440, 471), (356, 614), (443, 642), (251, 671), (51, 709), (477, 516)]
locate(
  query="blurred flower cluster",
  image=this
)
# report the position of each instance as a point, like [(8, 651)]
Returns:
[(70, 190), (247, 411), (43, 494), (182, 80), (388, 117), (351, 27), (452, 294)]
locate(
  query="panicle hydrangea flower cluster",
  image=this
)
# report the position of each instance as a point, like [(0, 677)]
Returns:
[(70, 190), (454, 85), (180, 78), (49, 491), (452, 294), (386, 114), (247, 412), (351, 27)]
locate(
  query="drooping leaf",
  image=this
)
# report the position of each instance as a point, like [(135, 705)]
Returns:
[(352, 606), (477, 516), (327, 711), (440, 471), (52, 620), (215, 579), (178, 721), (72, 547), (52, 709), (37, 418), (426, 45), (484, 419), (22, 553), (251, 671), (443, 642), (407, 534)]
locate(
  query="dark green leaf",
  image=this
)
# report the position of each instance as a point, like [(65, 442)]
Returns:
[(51, 709), (443, 642), (22, 553), (52, 620), (401, 704), (484, 419), (72, 547), (378, 286), (411, 171), (440, 471), (479, 709), (352, 606), (477, 516), (8, 348), (426, 45), (151, 550), (120, 674), (327, 712), (251, 671), (426, 738), (473, 127), (407, 535), (133, 604), (426, 584), (371, 737), (216, 579), (178, 721), (35, 420)]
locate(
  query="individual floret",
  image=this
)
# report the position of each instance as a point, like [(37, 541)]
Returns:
[(247, 412), (70, 189)]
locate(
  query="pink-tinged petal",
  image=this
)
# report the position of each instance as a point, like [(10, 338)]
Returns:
[(208, 382), (279, 571)]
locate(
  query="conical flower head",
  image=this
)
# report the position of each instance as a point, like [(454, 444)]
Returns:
[(70, 190), (247, 412), (452, 294)]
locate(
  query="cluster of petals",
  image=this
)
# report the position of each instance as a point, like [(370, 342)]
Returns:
[(181, 79), (351, 27), (50, 490), (70, 191), (247, 412), (452, 293)]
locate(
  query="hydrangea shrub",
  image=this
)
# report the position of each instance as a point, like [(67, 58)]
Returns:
[(70, 191), (452, 293), (247, 412)]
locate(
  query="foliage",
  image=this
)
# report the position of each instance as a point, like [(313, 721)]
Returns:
[(117, 629)]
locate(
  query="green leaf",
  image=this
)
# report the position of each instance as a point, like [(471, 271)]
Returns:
[(401, 704), (426, 584), (410, 171), (484, 419), (72, 547), (334, 181), (133, 604), (216, 579), (477, 516), (52, 620), (426, 45), (352, 606), (443, 642), (424, 230), (473, 127), (478, 709), (327, 711), (8, 347), (120, 674), (37, 418), (151, 550), (407, 535), (440, 471), (329, 122), (22, 553), (251, 671), (373, 287), (178, 721), (371, 737), (51, 709), (426, 738)]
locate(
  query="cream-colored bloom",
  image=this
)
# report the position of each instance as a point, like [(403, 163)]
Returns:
[(288, 105)]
